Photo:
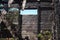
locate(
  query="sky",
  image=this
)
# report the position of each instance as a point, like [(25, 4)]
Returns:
[(29, 12)]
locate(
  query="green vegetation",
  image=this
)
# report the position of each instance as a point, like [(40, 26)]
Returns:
[(6, 38), (46, 35), (2, 38)]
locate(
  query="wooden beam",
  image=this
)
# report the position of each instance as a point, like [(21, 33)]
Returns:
[(47, 8), (45, 0)]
